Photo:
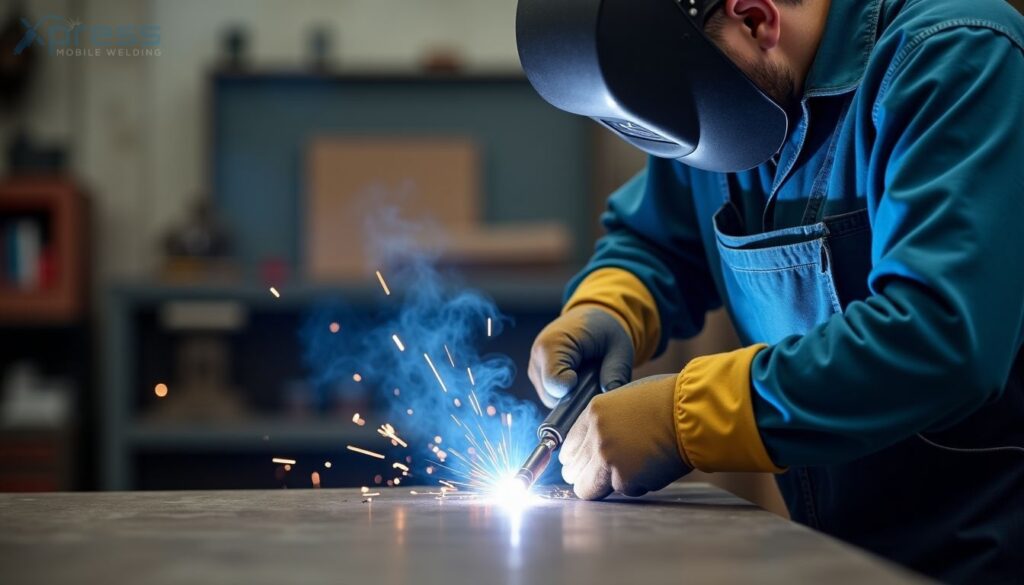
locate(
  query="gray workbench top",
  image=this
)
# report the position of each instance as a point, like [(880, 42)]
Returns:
[(689, 533)]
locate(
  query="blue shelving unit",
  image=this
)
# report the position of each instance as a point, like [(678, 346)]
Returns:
[(536, 159)]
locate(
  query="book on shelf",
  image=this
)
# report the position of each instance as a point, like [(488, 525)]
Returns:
[(27, 263)]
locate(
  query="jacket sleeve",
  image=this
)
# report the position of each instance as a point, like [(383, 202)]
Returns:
[(650, 266), (938, 337)]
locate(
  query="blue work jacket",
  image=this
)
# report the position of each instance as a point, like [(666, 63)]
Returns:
[(913, 116)]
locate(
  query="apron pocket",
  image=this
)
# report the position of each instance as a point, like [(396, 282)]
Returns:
[(777, 283), (770, 304)]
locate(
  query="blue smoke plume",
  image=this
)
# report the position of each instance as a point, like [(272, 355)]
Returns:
[(432, 315)]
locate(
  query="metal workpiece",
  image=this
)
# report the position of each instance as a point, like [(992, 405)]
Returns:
[(688, 533)]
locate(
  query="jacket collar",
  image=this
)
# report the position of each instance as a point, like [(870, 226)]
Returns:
[(851, 30)]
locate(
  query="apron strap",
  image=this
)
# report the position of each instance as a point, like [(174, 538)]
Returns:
[(819, 189)]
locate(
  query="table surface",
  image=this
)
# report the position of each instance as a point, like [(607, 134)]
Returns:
[(688, 533)]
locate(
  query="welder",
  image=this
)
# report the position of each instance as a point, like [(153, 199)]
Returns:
[(846, 178)]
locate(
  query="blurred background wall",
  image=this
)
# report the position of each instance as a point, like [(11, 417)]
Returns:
[(136, 127)]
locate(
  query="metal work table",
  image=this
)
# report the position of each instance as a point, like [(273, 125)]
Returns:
[(689, 533)]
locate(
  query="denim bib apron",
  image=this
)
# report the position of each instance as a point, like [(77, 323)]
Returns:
[(956, 513)]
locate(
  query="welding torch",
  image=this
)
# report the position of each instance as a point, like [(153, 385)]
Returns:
[(552, 432)]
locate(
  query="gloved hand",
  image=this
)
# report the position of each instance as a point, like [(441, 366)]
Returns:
[(585, 333), (625, 441)]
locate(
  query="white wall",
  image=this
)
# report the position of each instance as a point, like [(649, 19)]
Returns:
[(48, 111), (137, 125), (95, 107)]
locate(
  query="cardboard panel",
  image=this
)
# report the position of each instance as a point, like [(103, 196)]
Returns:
[(357, 185)]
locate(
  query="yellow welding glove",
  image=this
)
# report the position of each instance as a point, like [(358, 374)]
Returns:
[(585, 333), (611, 319), (625, 441)]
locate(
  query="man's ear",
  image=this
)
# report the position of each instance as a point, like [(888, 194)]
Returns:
[(760, 18)]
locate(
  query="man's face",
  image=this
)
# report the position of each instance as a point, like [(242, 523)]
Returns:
[(775, 78)]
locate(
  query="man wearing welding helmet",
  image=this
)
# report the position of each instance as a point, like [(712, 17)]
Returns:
[(847, 179)]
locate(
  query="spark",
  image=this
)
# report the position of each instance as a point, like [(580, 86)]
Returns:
[(475, 468), (475, 403), (436, 374), (364, 489), (371, 494), (287, 467), (364, 452), (487, 444), (388, 432), (283, 461), (334, 327), (383, 284), (160, 390), (486, 468), (315, 478), (274, 292)]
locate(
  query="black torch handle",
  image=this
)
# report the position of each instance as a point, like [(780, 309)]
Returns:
[(571, 406)]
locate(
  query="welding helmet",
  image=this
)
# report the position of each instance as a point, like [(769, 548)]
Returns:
[(645, 70)]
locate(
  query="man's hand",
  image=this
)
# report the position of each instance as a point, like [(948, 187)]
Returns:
[(584, 333), (625, 441)]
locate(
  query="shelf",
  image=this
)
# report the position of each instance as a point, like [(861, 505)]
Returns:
[(253, 435), (353, 76), (509, 294), (65, 208)]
